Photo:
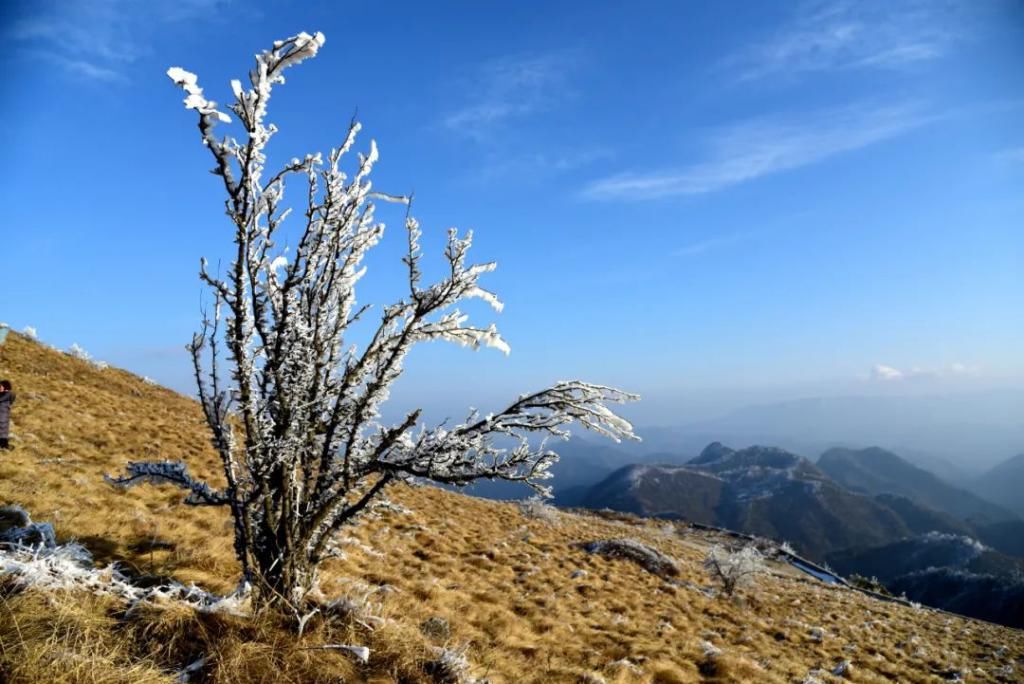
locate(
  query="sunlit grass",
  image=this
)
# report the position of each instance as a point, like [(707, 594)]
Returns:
[(507, 585)]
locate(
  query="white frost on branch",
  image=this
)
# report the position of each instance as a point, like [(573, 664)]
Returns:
[(293, 408), (194, 98), (466, 452), (173, 473)]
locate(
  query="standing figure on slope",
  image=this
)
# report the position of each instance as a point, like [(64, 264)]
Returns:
[(6, 401)]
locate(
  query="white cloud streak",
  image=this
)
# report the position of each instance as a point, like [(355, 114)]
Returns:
[(886, 373), (536, 165), (97, 40), (842, 35), (85, 68), (762, 147), (890, 374), (711, 244), (509, 88)]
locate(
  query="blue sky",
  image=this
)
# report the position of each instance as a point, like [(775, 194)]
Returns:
[(705, 203)]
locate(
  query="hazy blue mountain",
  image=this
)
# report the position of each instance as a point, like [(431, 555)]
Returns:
[(876, 471), (1006, 536), (921, 519), (581, 464), (942, 468), (766, 491), (654, 490), (1004, 484), (950, 435)]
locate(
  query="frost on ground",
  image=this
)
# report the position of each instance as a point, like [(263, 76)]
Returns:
[(30, 555), (648, 558), (79, 353)]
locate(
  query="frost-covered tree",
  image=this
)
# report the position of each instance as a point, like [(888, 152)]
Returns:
[(292, 407), (734, 569)]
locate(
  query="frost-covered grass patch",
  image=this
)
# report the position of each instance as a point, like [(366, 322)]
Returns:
[(30, 558)]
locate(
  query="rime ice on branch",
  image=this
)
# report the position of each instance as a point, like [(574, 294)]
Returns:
[(298, 428)]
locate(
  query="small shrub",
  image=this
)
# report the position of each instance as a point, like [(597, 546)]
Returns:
[(79, 353), (868, 583), (536, 508), (734, 569)]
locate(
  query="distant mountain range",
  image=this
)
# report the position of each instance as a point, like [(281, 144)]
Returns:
[(866, 511), (765, 491), (1004, 484), (876, 471), (952, 436)]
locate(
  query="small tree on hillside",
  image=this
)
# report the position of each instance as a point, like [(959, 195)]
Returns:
[(297, 431), (734, 569)]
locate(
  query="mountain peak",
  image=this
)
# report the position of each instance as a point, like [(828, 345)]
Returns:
[(717, 457), (715, 451)]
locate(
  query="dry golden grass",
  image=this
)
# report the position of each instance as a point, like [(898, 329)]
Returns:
[(503, 582)]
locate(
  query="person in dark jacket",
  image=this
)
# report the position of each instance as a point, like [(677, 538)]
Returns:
[(6, 399)]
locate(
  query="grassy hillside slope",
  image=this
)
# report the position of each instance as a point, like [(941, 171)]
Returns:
[(506, 584)]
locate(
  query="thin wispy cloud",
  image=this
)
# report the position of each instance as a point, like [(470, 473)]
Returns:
[(711, 244), (884, 373), (537, 165), (87, 69), (509, 88), (1010, 155), (765, 146), (828, 36), (98, 40)]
